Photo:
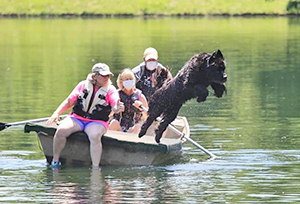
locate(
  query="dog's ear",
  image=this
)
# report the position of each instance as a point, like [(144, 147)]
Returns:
[(219, 55), (216, 55)]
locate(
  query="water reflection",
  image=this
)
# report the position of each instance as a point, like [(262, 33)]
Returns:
[(110, 185), (254, 130), (244, 175)]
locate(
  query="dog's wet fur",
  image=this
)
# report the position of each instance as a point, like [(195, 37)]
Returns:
[(198, 73)]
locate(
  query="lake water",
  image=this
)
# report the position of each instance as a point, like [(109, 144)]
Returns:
[(254, 130)]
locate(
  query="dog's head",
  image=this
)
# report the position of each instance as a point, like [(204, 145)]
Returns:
[(216, 73), (207, 69)]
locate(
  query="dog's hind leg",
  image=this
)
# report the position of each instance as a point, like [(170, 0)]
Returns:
[(166, 120)]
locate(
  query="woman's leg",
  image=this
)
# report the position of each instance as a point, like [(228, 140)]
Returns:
[(64, 130), (135, 129), (114, 125), (95, 132)]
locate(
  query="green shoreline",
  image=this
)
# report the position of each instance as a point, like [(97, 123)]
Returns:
[(146, 8), (70, 15)]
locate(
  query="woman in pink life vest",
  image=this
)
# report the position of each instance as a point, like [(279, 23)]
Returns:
[(92, 101)]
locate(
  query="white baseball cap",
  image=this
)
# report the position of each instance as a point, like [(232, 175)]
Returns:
[(102, 69), (150, 53)]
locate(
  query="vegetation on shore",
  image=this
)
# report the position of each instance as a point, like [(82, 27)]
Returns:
[(146, 7)]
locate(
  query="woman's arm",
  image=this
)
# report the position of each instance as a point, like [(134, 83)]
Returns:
[(65, 105), (144, 103), (118, 107)]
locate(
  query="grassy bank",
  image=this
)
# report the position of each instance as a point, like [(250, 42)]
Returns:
[(146, 7)]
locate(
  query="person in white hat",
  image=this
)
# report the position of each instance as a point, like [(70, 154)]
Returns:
[(145, 72), (92, 101)]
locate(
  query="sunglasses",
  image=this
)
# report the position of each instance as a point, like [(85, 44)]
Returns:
[(102, 75)]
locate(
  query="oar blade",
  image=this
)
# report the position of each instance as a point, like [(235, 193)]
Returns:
[(3, 126), (211, 155)]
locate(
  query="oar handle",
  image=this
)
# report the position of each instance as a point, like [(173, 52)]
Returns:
[(211, 155), (6, 125), (30, 121)]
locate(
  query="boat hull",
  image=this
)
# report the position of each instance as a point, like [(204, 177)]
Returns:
[(119, 148)]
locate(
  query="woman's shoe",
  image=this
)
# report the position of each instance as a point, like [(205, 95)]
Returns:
[(55, 165)]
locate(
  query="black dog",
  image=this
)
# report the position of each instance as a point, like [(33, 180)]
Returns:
[(190, 82)]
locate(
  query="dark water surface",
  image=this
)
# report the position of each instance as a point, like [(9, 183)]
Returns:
[(254, 130)]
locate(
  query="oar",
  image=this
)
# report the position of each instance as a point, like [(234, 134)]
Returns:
[(6, 125), (182, 135)]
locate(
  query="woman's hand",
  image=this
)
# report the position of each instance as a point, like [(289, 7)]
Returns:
[(120, 107), (138, 104), (54, 117), (65, 105)]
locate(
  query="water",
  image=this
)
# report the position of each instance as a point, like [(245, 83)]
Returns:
[(254, 130)]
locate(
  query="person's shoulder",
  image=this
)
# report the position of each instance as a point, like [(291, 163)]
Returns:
[(82, 82), (138, 90), (119, 91), (138, 67), (161, 66), (111, 87), (81, 85)]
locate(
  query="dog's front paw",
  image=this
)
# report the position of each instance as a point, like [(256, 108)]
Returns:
[(201, 92), (157, 139), (158, 135), (142, 133), (201, 99)]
